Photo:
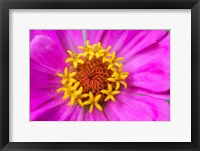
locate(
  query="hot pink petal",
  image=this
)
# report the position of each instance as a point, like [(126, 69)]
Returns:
[(43, 84), (77, 114), (158, 50), (147, 76), (59, 111), (96, 115), (70, 113), (110, 113), (87, 115), (94, 36), (138, 108), (50, 111), (46, 103), (45, 51), (140, 91), (72, 39), (53, 35), (117, 38), (45, 62), (153, 76), (44, 100), (150, 69), (142, 40)]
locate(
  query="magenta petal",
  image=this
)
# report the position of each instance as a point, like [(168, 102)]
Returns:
[(117, 39), (142, 40), (45, 51), (110, 113), (70, 113), (87, 115), (43, 84), (153, 76), (94, 36), (150, 69), (139, 108), (52, 34), (131, 112), (77, 114), (49, 111), (96, 115), (140, 91), (71, 39), (159, 50), (57, 110), (45, 62)]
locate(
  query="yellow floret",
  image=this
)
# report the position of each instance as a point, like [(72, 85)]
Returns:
[(110, 93), (75, 59), (67, 79), (72, 86), (113, 61), (118, 76), (93, 101)]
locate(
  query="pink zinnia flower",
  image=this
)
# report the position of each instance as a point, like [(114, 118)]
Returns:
[(99, 75)]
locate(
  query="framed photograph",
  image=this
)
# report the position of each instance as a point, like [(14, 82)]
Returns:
[(99, 75)]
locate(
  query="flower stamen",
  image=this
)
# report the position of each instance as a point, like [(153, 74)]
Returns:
[(93, 101), (74, 59), (110, 93), (93, 78)]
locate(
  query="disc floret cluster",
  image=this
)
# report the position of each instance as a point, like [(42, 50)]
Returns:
[(94, 77)]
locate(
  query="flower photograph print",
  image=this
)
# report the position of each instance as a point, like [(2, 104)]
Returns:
[(100, 75)]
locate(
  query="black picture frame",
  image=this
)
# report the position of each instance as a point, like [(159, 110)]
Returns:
[(5, 5)]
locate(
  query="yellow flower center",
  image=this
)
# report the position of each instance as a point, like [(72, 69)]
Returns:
[(93, 78)]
